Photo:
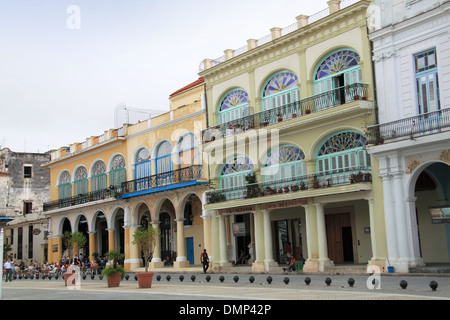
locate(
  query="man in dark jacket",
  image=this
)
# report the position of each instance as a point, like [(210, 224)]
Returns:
[(205, 260)]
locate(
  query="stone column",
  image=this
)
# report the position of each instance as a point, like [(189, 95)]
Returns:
[(92, 245), (156, 258), (258, 265), (135, 259), (111, 239), (322, 238), (181, 260), (269, 262), (222, 241)]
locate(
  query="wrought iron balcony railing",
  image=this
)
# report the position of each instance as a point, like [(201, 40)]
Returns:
[(295, 184), (79, 199), (420, 125), (191, 173), (303, 107)]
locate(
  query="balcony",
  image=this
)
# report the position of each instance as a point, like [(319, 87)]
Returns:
[(315, 181), (79, 199), (179, 178), (317, 103), (409, 128)]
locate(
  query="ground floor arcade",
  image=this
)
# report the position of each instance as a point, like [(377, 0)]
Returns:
[(324, 230), (109, 224)]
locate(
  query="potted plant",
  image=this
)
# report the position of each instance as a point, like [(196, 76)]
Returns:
[(270, 191), (302, 186), (279, 116), (294, 187), (116, 272), (145, 238), (315, 182)]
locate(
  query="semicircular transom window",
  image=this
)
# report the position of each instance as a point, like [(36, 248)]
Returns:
[(342, 142), (233, 99), (99, 179), (117, 174), (81, 183), (285, 154), (284, 80), (237, 165), (337, 62), (64, 186), (164, 158)]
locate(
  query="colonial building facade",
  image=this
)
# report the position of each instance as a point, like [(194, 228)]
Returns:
[(411, 53), (287, 149), (24, 188), (145, 173)]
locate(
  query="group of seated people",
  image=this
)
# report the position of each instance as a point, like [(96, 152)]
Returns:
[(60, 267)]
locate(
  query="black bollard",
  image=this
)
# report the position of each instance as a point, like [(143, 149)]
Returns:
[(351, 282), (127, 276), (433, 285), (208, 278), (168, 277), (251, 279), (158, 277), (193, 278), (328, 281), (307, 281), (286, 280), (236, 279), (221, 278), (92, 277), (269, 279), (181, 277), (403, 284)]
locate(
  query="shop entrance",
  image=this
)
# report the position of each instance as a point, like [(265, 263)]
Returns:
[(241, 230)]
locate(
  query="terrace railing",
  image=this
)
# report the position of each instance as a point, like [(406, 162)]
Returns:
[(191, 173), (323, 101), (411, 127), (294, 184), (79, 199)]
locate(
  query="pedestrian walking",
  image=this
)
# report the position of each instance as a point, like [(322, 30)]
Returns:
[(9, 269), (205, 260)]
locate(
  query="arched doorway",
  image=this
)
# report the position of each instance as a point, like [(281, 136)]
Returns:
[(166, 219), (84, 228), (432, 195), (101, 226)]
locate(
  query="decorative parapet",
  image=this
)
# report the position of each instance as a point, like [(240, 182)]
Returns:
[(302, 21)]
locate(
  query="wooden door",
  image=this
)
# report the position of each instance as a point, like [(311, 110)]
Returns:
[(339, 237)]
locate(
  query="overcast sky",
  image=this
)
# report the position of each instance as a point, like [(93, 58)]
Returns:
[(66, 65)]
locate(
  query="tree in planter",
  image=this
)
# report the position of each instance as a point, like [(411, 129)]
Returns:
[(252, 187), (146, 240), (114, 256), (77, 241)]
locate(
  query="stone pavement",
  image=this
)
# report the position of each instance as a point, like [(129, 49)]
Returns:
[(385, 287)]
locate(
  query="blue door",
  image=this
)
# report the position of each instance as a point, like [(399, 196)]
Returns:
[(190, 250)]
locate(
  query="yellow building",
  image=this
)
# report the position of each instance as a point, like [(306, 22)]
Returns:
[(286, 147), (140, 174)]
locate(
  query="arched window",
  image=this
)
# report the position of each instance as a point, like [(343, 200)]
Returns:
[(64, 186), (233, 176), (234, 106), (99, 180), (188, 153), (339, 69), (81, 182), (163, 163), (342, 155), (118, 172), (284, 166), (142, 164), (280, 90)]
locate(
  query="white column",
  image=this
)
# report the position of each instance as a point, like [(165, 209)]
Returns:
[(181, 260), (416, 259), (389, 217), (400, 217), (308, 231), (372, 228), (222, 240), (322, 237), (268, 242)]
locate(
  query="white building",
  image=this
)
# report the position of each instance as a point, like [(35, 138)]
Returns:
[(411, 54)]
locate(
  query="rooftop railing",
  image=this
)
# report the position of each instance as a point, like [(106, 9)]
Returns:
[(323, 101)]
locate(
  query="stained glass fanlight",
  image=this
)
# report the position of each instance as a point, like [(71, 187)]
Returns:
[(98, 168), (281, 81), (337, 62), (341, 142), (236, 165), (81, 173), (64, 178), (235, 98), (285, 154)]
